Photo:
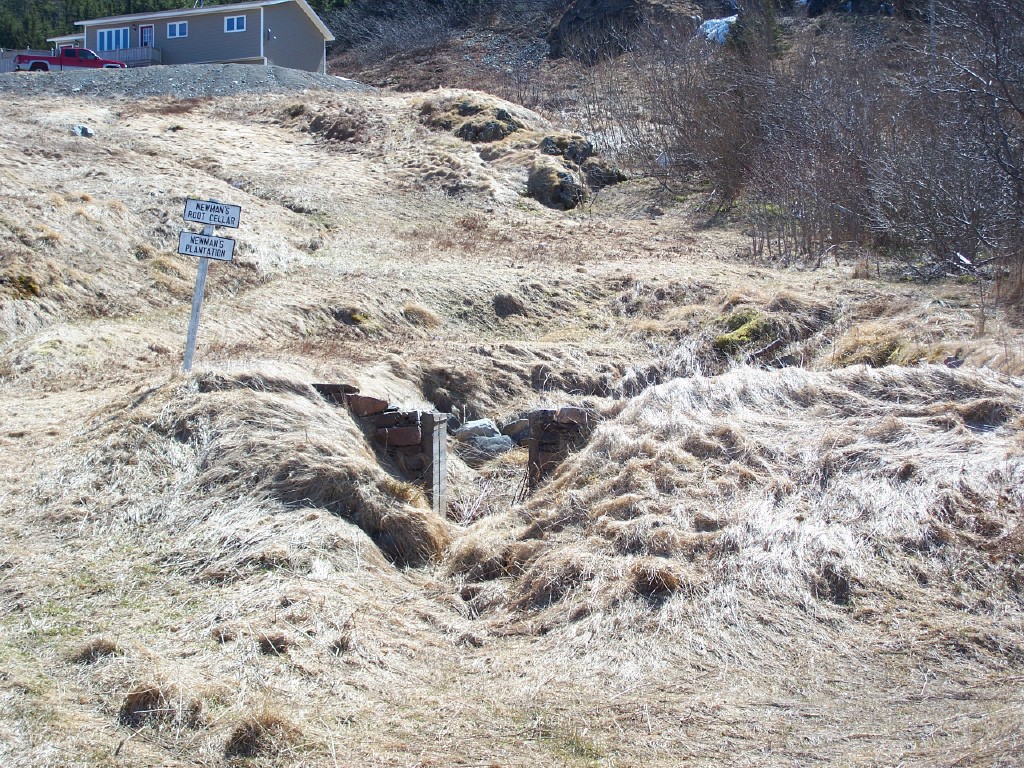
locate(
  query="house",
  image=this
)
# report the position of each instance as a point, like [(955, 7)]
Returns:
[(75, 40), (285, 33)]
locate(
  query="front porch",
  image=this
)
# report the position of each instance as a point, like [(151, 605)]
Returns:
[(134, 57)]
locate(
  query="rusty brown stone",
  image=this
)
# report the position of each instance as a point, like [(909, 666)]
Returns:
[(362, 405), (572, 415), (399, 436)]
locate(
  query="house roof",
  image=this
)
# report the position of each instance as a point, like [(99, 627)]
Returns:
[(66, 38), (180, 12)]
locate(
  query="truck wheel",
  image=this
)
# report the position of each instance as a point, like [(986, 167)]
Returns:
[(39, 66)]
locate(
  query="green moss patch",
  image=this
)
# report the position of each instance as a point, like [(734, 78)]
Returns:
[(747, 328), (472, 119)]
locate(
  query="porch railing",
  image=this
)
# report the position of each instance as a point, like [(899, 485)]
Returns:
[(134, 57)]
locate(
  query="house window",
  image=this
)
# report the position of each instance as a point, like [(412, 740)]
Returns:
[(177, 29), (112, 39), (234, 24)]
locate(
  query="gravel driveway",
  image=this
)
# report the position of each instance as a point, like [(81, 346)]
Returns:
[(185, 81)]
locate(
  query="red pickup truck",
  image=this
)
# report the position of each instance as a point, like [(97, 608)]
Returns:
[(66, 58)]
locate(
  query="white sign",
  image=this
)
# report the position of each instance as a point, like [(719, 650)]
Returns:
[(210, 212), (206, 246)]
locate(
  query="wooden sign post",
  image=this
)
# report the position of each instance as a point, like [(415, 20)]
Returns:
[(205, 246)]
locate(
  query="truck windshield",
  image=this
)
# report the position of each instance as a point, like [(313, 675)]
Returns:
[(88, 55)]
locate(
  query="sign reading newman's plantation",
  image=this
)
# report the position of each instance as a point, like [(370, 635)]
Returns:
[(205, 246)]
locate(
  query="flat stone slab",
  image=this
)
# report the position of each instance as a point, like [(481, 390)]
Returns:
[(362, 405), (399, 436)]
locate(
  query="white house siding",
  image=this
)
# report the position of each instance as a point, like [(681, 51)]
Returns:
[(291, 39)]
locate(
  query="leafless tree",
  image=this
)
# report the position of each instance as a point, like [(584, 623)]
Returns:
[(983, 48)]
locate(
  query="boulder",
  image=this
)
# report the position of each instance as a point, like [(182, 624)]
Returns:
[(575, 149), (489, 128), (592, 28), (599, 174), (481, 448), (478, 428), (83, 130), (518, 430), (554, 186)]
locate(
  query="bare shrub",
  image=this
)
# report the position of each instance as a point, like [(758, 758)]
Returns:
[(672, 106), (982, 48), (851, 134), (934, 195)]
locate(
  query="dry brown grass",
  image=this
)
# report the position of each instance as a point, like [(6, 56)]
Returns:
[(892, 440), (653, 578), (306, 454), (768, 567), (274, 643), (95, 649), (152, 703), (874, 344), (475, 561), (266, 733), (421, 316)]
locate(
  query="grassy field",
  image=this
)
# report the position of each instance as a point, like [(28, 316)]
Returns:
[(794, 538)]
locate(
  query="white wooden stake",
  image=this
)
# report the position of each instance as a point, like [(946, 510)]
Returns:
[(197, 306)]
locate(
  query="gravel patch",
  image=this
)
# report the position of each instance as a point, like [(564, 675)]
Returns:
[(185, 81)]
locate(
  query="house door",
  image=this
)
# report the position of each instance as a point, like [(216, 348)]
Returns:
[(146, 36)]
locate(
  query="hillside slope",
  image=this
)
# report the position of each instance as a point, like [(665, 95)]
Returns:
[(770, 553)]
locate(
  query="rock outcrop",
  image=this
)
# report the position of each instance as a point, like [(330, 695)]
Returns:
[(590, 28)]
